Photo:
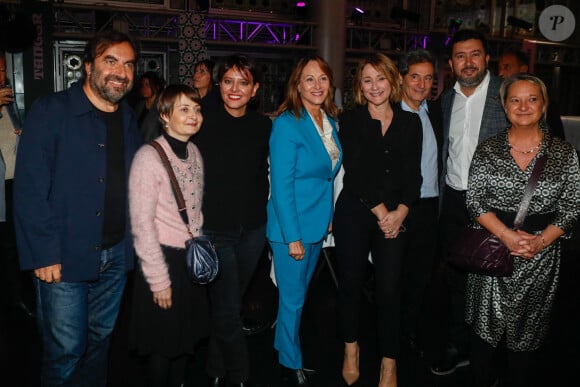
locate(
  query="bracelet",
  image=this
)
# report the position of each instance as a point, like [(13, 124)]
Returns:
[(543, 241), (503, 232)]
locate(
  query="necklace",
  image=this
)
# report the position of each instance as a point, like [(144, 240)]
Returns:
[(526, 152)]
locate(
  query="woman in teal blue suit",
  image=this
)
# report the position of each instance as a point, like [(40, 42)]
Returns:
[(305, 156)]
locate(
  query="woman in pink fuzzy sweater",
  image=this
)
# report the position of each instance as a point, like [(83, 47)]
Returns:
[(169, 312)]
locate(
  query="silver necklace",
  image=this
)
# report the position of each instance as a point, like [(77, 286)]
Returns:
[(526, 152)]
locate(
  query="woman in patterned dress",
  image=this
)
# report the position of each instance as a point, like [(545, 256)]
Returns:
[(515, 311)]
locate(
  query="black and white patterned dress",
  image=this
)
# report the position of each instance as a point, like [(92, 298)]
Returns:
[(519, 306)]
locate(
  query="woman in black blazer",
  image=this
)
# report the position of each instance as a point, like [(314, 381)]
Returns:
[(382, 163)]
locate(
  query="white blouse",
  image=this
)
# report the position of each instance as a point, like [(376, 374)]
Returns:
[(327, 139)]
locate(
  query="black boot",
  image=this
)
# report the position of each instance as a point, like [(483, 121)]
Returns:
[(295, 378)]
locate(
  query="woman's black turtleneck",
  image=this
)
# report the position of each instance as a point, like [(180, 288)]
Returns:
[(178, 147), (235, 162)]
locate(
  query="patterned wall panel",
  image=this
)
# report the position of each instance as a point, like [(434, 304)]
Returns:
[(191, 44), (68, 63)]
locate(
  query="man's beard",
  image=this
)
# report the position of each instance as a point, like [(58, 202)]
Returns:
[(472, 81), (110, 94)]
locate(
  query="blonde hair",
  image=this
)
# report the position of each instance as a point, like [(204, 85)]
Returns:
[(508, 82), (383, 65)]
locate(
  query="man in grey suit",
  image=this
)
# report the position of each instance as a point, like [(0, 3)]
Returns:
[(472, 112)]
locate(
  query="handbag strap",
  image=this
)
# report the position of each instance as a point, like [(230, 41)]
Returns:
[(530, 188), (181, 207)]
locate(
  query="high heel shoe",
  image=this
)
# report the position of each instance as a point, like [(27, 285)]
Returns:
[(388, 376), (350, 368)]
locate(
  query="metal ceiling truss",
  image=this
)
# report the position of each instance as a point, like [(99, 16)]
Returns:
[(258, 33), (365, 40), (159, 25), (79, 22)]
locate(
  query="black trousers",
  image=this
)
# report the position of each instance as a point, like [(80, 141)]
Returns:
[(421, 241), (16, 286), (518, 370), (166, 372), (357, 233), (239, 254), (454, 218)]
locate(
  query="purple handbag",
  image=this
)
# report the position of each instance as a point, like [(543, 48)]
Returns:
[(481, 252)]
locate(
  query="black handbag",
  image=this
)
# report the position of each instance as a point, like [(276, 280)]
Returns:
[(201, 256), (481, 252)]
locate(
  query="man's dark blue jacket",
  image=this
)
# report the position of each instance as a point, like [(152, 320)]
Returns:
[(59, 186)]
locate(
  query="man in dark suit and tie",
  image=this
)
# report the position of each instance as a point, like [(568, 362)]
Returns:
[(472, 112)]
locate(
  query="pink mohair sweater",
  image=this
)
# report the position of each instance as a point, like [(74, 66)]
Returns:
[(155, 220)]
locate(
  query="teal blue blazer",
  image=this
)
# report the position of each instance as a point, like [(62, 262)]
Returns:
[(301, 178)]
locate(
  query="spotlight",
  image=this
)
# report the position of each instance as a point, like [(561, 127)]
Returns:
[(519, 23), (302, 9), (357, 16)]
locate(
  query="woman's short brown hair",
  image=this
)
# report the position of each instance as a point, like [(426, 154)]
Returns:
[(170, 95)]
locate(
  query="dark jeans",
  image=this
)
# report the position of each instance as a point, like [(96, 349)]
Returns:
[(420, 250), (454, 218), (357, 233), (239, 254), (76, 320)]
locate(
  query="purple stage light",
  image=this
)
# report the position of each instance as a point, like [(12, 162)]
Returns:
[(301, 4)]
